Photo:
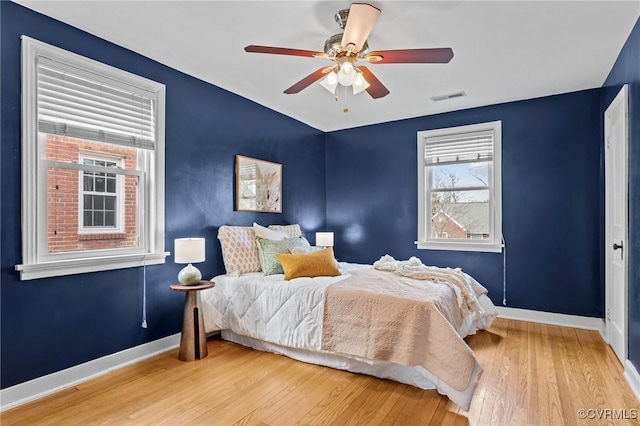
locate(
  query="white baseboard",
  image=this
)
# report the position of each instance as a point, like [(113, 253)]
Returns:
[(633, 378), (564, 320), (603, 331), (45, 385)]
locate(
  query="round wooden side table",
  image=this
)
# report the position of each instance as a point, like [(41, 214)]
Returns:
[(193, 340)]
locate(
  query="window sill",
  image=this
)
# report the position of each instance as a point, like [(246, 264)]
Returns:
[(459, 246), (80, 266)]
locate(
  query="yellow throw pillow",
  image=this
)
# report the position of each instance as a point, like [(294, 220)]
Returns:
[(321, 263)]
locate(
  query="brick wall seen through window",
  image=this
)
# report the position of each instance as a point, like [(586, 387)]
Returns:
[(63, 198)]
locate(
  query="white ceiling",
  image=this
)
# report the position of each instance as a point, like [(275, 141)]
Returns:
[(503, 50)]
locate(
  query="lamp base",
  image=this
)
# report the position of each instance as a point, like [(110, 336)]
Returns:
[(189, 275)]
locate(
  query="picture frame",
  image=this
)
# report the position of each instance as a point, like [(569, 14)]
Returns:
[(258, 185)]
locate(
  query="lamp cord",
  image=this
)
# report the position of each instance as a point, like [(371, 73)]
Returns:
[(504, 257), (504, 271), (144, 292)]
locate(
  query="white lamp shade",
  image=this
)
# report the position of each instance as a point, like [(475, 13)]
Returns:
[(324, 239), (330, 82), (189, 250), (359, 84), (347, 74)]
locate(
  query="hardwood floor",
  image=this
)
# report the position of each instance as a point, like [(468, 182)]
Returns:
[(534, 374)]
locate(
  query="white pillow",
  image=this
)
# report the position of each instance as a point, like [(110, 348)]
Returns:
[(305, 250), (291, 230), (268, 234)]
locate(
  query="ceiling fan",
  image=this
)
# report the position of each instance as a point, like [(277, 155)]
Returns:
[(350, 47)]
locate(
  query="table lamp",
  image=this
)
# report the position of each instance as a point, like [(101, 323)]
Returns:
[(189, 250), (324, 239)]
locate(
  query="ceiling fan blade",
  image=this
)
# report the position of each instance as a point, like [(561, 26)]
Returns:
[(307, 81), (411, 56), (362, 18), (284, 51), (376, 89)]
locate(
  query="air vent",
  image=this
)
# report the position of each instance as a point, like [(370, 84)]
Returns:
[(448, 96)]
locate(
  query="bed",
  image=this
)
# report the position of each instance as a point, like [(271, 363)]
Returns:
[(367, 319)]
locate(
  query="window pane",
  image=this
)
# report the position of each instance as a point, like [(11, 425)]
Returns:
[(460, 214), (100, 186), (98, 202), (111, 185), (88, 183), (461, 175), (110, 203), (93, 228), (98, 218), (110, 219)]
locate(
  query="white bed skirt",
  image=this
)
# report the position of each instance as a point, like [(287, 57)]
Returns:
[(416, 376)]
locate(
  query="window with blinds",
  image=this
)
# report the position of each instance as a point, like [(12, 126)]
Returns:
[(93, 165), (459, 197)]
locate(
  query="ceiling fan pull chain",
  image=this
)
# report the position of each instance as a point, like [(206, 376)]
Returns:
[(346, 108)]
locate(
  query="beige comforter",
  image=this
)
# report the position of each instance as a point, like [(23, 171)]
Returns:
[(382, 316)]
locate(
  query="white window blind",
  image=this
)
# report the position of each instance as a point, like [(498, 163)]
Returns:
[(459, 148), (80, 104)]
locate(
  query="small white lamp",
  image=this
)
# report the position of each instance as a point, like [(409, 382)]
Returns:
[(189, 250), (324, 239)]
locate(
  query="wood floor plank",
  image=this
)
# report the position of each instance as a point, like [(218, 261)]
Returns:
[(403, 406), (364, 407), (534, 374), (338, 399), (493, 381), (505, 408), (561, 360), (390, 397), (302, 377)]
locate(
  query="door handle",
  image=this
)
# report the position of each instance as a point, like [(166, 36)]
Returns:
[(617, 246)]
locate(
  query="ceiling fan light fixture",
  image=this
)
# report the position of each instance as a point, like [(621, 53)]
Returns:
[(359, 84), (347, 74), (348, 48), (330, 82)]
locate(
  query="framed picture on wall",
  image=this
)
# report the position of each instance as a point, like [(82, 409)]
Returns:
[(258, 185)]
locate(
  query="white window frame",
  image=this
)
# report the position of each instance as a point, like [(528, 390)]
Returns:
[(37, 262), (494, 243), (119, 194)]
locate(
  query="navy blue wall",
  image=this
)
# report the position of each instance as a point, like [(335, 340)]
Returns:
[(551, 199), (627, 70), (51, 324)]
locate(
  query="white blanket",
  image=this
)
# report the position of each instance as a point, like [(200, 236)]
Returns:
[(287, 315), (465, 287)]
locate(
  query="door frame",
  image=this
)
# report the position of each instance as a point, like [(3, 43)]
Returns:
[(621, 97)]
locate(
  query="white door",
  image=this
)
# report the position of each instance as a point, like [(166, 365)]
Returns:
[(615, 121)]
